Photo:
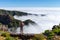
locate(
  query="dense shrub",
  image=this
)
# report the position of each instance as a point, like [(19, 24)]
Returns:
[(49, 34), (10, 38), (56, 29), (39, 37), (5, 34)]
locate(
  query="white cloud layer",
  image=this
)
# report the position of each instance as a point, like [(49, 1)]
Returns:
[(52, 18), (35, 10)]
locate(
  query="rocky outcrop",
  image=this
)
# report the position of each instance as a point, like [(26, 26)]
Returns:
[(26, 22), (6, 19)]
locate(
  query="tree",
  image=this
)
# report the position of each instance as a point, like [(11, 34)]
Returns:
[(56, 29), (49, 34)]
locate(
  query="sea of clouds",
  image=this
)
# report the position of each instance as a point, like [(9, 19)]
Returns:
[(52, 17)]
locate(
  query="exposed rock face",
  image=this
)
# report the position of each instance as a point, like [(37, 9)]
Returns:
[(5, 19), (3, 28)]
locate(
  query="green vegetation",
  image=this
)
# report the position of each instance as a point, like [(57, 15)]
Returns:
[(52, 33), (56, 29), (39, 37), (49, 34), (10, 38), (6, 36)]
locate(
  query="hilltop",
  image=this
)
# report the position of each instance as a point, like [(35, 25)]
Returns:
[(19, 13)]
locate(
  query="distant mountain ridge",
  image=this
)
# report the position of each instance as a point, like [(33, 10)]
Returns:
[(18, 13), (13, 12)]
